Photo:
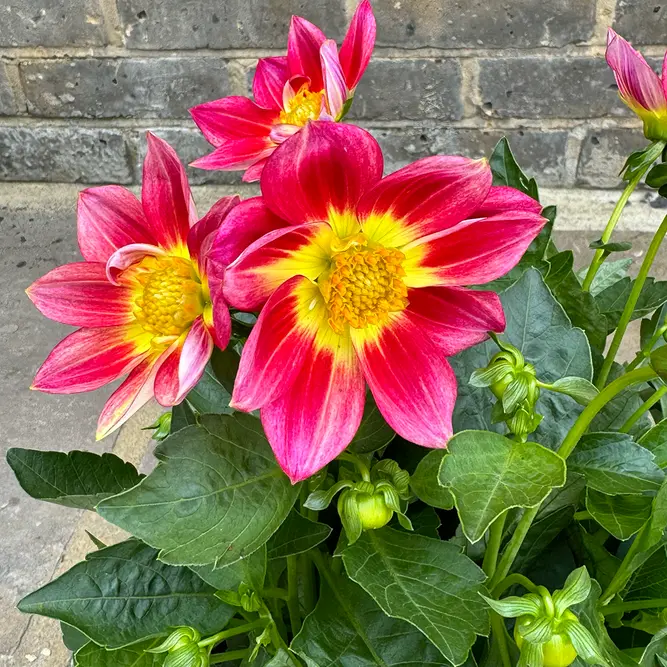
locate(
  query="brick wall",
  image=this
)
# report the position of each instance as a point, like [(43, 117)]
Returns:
[(81, 80)]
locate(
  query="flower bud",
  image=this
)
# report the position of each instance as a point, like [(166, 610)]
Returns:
[(179, 638), (373, 510), (190, 655), (249, 600), (161, 427), (558, 651)]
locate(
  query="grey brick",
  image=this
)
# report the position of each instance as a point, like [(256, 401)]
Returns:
[(126, 87), (549, 88), (190, 144), (475, 23), (603, 154), (196, 24), (409, 90), (51, 23), (64, 154), (7, 101), (540, 153), (642, 21)]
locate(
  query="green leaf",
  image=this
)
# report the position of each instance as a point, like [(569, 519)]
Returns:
[(296, 535), (213, 392), (348, 628), (506, 171), (655, 440), (250, 570), (425, 520), (580, 389), (92, 655), (650, 580), (425, 483), (596, 558), (72, 638), (216, 496), (540, 329), (488, 474), (613, 463), (123, 594), (621, 246), (608, 274), (76, 479), (622, 516), (655, 653), (374, 433), (657, 176), (427, 582), (182, 415)]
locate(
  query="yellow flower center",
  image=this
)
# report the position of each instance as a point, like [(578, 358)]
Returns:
[(169, 296), (364, 285), (304, 106)]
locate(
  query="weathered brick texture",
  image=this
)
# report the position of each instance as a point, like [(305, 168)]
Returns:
[(82, 80)]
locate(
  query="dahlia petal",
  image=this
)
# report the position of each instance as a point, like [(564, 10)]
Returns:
[(202, 235), (237, 154), (664, 76), (412, 383), (313, 422), (254, 172), (133, 394), (335, 88), (184, 367), (269, 81), (303, 50), (502, 198), (302, 250), (326, 167), (279, 344), (282, 132), (108, 218), (90, 358), (220, 321), (166, 196), (638, 84), (455, 318), (427, 196), (357, 47), (472, 253), (128, 255), (246, 223), (80, 294), (233, 117)]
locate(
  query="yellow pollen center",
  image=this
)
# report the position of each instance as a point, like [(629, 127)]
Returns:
[(304, 106), (364, 286), (170, 295)]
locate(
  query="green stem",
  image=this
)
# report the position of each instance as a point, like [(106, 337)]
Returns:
[(359, 463), (232, 632), (279, 593), (644, 407), (584, 515), (599, 256), (493, 546), (515, 579), (293, 594), (645, 352), (498, 628), (307, 583), (631, 303), (622, 607), (228, 656)]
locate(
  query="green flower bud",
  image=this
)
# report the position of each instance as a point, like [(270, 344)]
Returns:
[(558, 651), (658, 361), (188, 656), (373, 510), (161, 427), (179, 638), (249, 599)]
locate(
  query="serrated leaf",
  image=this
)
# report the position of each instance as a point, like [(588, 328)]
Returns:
[(213, 392), (296, 535), (373, 433), (610, 246), (425, 483), (182, 415), (74, 479), (425, 520), (123, 594), (655, 440), (622, 516), (580, 389), (348, 627), (614, 464), (608, 274), (650, 580), (427, 582), (540, 329), (92, 655), (506, 171), (216, 496), (488, 474)]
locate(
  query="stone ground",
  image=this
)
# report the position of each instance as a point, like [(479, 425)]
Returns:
[(40, 540)]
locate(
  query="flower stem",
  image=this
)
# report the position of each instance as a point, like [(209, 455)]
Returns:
[(631, 303), (293, 594), (228, 656), (645, 352), (622, 607), (600, 254), (232, 632), (514, 580), (498, 628), (493, 546), (644, 407)]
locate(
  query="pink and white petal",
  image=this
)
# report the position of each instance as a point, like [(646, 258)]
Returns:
[(218, 320), (357, 47), (198, 237), (664, 76), (502, 198), (166, 195), (246, 223), (80, 294), (184, 367), (279, 344), (313, 422), (455, 318), (303, 51), (90, 358), (293, 86), (425, 197), (125, 257), (412, 382), (335, 88), (108, 218), (282, 132), (472, 253), (133, 394), (301, 250), (254, 172), (326, 167), (236, 154), (233, 117), (269, 81)]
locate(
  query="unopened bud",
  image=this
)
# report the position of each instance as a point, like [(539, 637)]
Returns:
[(373, 510)]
